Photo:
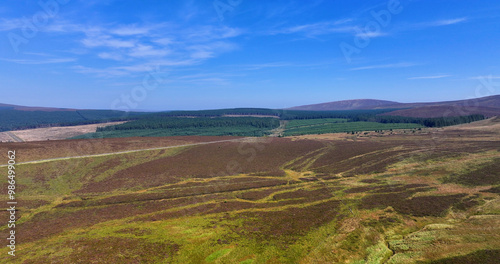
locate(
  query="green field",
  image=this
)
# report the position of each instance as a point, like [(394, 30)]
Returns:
[(313, 122), (246, 131), (322, 128)]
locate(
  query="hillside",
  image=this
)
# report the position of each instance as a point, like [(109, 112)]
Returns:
[(430, 197), (33, 108), (487, 106), (445, 111), (488, 101), (349, 105)]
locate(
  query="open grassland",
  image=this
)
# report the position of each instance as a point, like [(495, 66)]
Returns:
[(312, 122), (428, 197), (319, 127)]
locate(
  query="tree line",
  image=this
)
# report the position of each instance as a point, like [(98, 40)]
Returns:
[(200, 122)]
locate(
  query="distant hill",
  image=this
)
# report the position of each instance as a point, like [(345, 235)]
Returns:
[(445, 111), (487, 106), (349, 105), (33, 108)]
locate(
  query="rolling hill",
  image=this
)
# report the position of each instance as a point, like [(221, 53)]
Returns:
[(357, 104), (488, 106), (445, 111), (33, 108)]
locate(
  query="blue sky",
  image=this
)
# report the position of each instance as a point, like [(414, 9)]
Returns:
[(165, 55)]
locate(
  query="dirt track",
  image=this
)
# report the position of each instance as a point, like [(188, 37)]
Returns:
[(14, 137), (122, 152)]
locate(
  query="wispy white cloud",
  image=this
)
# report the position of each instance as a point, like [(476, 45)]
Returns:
[(432, 24), (484, 77), (130, 30), (446, 22), (429, 77), (209, 50), (320, 28), (114, 71), (342, 26), (349, 26), (404, 27), (159, 44), (163, 41), (63, 26), (10, 24), (147, 51), (278, 64), (213, 80), (209, 33), (134, 68), (137, 68), (107, 72), (385, 66), (217, 78), (371, 34), (37, 54), (43, 61), (265, 65), (111, 56), (99, 40), (173, 44)]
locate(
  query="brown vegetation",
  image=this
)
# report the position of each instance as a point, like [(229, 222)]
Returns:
[(327, 199), (77, 147)]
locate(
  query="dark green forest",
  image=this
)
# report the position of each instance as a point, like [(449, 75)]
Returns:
[(16, 120)]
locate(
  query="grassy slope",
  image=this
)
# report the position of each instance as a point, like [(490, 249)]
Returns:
[(321, 128), (372, 200)]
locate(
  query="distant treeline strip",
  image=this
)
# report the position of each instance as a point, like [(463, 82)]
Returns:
[(281, 113), (15, 119), (428, 122), (350, 115), (200, 122)]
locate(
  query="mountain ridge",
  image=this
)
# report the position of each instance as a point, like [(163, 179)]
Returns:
[(34, 108), (488, 101), (488, 106), (355, 104)]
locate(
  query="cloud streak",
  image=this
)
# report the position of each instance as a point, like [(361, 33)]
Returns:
[(317, 29), (45, 61), (447, 22), (433, 24), (484, 77), (429, 77), (384, 66)]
